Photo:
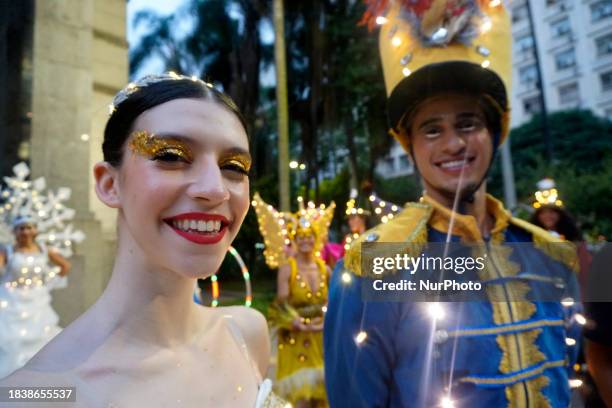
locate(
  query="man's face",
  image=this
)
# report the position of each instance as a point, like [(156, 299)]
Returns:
[(451, 144)]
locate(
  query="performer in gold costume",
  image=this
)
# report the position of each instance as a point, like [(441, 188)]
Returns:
[(301, 299)]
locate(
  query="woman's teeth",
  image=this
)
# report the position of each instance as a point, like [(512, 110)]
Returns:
[(197, 225)]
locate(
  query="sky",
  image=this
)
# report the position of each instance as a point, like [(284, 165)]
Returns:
[(162, 7), (166, 7)]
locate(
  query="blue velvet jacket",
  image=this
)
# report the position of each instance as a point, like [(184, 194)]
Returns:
[(481, 354)]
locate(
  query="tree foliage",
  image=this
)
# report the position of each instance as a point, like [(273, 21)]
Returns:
[(581, 165)]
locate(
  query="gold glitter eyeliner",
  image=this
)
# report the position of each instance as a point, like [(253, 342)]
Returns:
[(239, 160), (152, 146)]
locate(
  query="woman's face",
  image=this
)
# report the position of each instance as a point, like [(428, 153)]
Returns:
[(305, 242), (25, 233), (184, 189), (356, 224), (548, 218)]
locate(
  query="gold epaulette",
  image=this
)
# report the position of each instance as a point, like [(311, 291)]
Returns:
[(410, 226), (555, 247)]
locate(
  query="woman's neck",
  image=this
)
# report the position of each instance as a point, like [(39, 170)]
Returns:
[(146, 303), (305, 257), (26, 246)]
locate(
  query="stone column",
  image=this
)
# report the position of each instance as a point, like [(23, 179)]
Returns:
[(76, 72)]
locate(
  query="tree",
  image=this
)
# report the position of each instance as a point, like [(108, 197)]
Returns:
[(337, 99), (223, 45), (581, 168)]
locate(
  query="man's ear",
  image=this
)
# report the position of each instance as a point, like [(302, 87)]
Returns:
[(107, 184)]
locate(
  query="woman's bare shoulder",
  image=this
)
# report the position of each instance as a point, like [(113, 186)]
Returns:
[(254, 329)]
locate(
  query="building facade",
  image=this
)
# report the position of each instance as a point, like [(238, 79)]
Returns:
[(574, 44), (64, 61)]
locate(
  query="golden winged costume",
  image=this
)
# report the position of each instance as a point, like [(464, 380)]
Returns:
[(299, 374)]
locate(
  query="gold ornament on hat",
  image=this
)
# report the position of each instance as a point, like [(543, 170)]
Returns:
[(279, 229)]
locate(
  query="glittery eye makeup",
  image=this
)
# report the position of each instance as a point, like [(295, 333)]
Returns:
[(159, 148), (239, 162)]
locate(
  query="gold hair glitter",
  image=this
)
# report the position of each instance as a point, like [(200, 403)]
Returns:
[(152, 146), (240, 160)]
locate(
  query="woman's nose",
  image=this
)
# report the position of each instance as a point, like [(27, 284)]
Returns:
[(208, 183)]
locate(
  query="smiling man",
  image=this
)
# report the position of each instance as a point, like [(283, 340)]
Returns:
[(447, 68)]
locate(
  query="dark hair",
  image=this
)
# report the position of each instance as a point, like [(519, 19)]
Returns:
[(566, 225), (145, 97)]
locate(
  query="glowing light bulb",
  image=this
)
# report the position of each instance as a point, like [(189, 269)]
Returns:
[(361, 337), (575, 383), (486, 63), (436, 311), (380, 20), (570, 342), (580, 319), (486, 25), (346, 277), (396, 41), (447, 403), (567, 302)]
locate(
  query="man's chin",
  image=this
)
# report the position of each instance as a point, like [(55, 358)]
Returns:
[(465, 191)]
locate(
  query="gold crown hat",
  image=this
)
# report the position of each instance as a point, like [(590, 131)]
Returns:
[(278, 228), (433, 46), (547, 194)]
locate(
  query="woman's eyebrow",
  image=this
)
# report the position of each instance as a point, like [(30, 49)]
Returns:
[(237, 151), (173, 136)]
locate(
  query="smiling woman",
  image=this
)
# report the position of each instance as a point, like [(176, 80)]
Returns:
[(176, 162)]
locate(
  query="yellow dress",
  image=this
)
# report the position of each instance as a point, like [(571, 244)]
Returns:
[(300, 354)]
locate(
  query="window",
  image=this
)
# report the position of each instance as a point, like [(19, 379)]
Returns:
[(600, 10), (604, 45), (532, 105), (528, 74), (519, 13), (565, 59), (569, 93), (606, 81), (524, 43), (390, 164), (561, 27), (404, 163)]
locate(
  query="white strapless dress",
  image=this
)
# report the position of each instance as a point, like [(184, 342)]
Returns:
[(27, 321)]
